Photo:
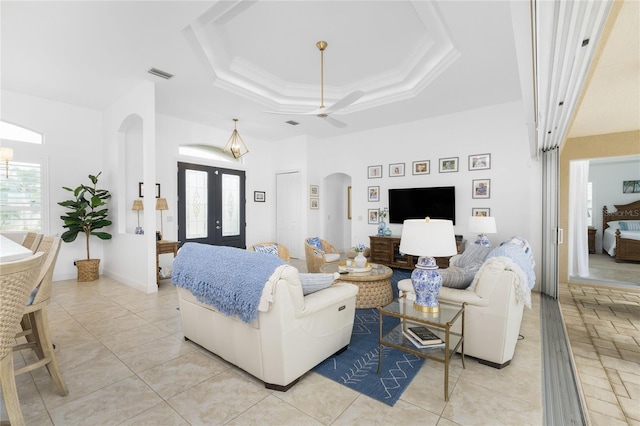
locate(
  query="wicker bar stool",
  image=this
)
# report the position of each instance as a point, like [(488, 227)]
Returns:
[(35, 324), (17, 279), (32, 241)]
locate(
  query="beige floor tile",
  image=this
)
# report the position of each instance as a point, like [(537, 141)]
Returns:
[(152, 353), (161, 414), (319, 397), (473, 404), (108, 406), (115, 325), (179, 374), (273, 411), (368, 411), (129, 339), (217, 400)]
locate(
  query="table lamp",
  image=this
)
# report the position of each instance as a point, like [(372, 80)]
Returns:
[(137, 206), (161, 204), (483, 225), (427, 238)]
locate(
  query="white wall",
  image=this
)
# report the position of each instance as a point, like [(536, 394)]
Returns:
[(515, 198), (130, 258), (607, 181), (71, 151)]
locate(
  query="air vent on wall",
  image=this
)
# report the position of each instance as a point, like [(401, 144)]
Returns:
[(293, 123), (160, 73)]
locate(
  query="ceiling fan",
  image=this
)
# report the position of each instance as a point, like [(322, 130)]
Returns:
[(323, 112)]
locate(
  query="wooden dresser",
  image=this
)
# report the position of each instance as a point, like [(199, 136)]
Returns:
[(386, 251)]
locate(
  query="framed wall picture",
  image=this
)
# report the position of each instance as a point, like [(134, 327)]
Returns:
[(259, 196), (314, 191), (481, 188), (481, 211), (630, 186), (373, 216), (374, 193), (480, 162), (314, 203), (448, 165), (374, 172), (141, 190), (349, 202), (396, 169), (421, 167)]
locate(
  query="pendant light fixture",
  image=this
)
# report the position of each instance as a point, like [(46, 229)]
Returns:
[(235, 144)]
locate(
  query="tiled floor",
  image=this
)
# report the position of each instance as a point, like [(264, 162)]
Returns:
[(603, 324), (124, 360)]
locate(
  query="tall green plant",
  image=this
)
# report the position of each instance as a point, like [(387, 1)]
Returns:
[(86, 213)]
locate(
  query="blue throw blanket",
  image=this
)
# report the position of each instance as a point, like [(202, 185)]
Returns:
[(519, 252), (227, 278)]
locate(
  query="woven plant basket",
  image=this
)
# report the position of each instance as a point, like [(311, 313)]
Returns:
[(88, 270)]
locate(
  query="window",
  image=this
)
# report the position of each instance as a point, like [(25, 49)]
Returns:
[(21, 198)]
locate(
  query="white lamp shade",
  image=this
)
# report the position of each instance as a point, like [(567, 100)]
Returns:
[(6, 154), (433, 238), (482, 224)]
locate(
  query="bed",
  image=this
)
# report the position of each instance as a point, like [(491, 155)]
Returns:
[(621, 232)]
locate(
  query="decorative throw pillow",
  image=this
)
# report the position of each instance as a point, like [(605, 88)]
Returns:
[(631, 225), (314, 282), (267, 248), (473, 254), (460, 278), (614, 224), (316, 243)]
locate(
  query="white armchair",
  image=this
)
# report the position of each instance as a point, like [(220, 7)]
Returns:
[(493, 314), (293, 333)]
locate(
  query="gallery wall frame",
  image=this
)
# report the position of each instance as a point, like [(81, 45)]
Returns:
[(421, 167), (259, 196), (373, 216), (314, 203), (396, 169), (373, 193), (374, 172), (314, 191), (481, 188), (448, 165), (480, 162), (481, 211)]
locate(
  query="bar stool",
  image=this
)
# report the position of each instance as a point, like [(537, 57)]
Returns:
[(17, 280)]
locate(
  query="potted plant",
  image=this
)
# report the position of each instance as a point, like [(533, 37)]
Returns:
[(86, 214)]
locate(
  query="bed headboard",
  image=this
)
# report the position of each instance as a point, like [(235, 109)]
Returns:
[(624, 211)]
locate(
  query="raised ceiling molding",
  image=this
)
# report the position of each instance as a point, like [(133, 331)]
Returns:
[(427, 52)]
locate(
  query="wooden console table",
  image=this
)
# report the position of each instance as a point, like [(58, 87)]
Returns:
[(163, 247), (386, 251)]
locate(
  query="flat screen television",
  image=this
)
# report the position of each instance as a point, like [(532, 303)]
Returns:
[(417, 203)]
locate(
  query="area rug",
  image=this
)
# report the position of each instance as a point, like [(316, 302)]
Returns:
[(356, 367)]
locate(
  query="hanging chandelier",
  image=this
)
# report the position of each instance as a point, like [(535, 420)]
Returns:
[(235, 144)]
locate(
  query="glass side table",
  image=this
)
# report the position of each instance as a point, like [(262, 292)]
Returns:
[(440, 323)]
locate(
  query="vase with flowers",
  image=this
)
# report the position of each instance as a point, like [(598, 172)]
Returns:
[(360, 260), (382, 225)]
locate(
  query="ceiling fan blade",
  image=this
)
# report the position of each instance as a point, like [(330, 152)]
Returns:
[(345, 102), (315, 112), (334, 122)]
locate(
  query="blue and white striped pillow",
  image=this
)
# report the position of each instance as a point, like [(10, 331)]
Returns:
[(314, 282), (630, 225)]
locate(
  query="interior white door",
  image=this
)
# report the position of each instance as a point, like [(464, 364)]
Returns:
[(289, 212)]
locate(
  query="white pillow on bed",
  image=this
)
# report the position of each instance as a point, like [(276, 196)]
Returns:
[(614, 224)]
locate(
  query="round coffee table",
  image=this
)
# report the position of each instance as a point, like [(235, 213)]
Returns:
[(375, 285)]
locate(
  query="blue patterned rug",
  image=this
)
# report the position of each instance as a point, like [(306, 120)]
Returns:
[(356, 367)]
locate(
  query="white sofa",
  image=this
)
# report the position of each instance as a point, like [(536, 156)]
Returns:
[(293, 333), (495, 302)]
